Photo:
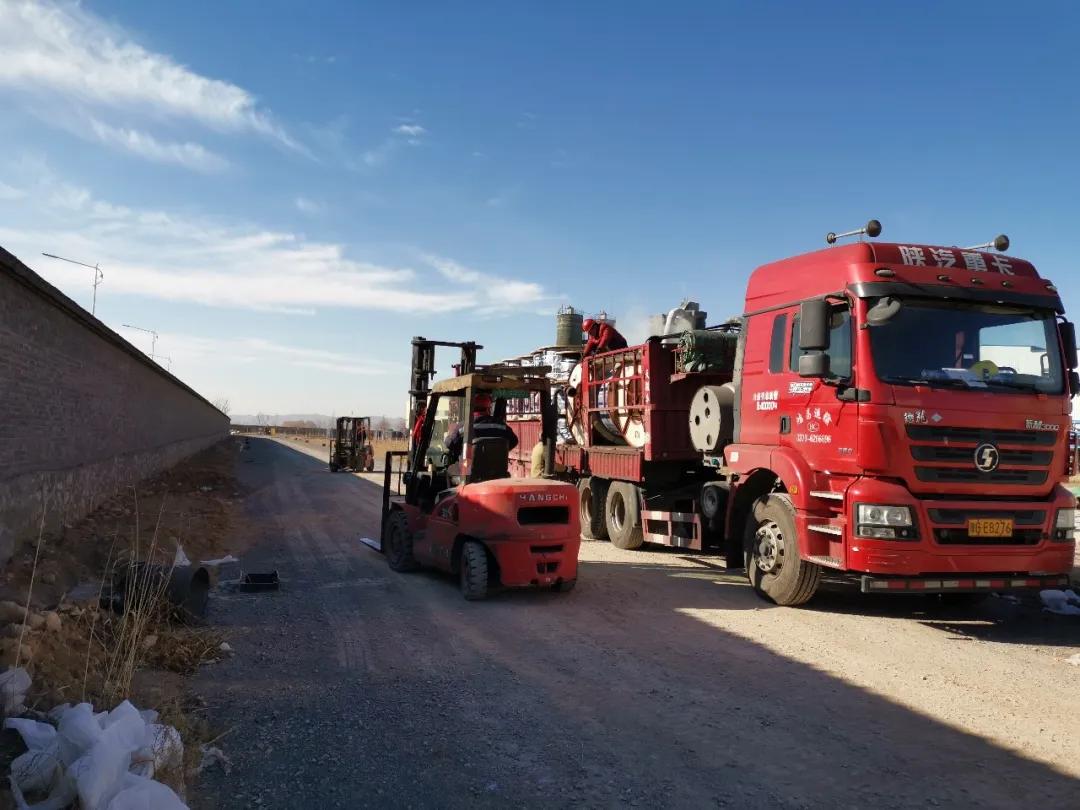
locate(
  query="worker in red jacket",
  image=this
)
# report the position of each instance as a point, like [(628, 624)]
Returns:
[(603, 337)]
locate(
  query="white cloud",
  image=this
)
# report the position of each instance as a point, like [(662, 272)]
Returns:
[(62, 52), (10, 192), (496, 294), (307, 206), (189, 155), (412, 130), (190, 349), (175, 257), (373, 158)]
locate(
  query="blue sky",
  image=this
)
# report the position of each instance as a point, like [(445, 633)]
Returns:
[(288, 191)]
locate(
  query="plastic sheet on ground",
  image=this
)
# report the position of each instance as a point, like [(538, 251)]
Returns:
[(13, 686), (139, 793), (228, 558), (180, 558), (105, 760), (1064, 603)]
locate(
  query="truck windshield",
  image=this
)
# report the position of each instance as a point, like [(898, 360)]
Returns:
[(985, 347)]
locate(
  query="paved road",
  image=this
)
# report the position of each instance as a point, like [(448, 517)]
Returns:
[(661, 681)]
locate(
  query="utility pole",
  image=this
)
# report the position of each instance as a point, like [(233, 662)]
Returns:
[(151, 332), (98, 276)]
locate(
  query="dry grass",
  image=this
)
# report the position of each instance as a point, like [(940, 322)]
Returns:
[(142, 654)]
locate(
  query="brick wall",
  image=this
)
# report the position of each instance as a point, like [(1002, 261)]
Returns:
[(82, 412)]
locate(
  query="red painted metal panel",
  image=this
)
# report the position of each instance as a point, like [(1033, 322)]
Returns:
[(621, 463)]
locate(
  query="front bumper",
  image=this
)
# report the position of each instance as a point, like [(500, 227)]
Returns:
[(871, 584), (937, 561)]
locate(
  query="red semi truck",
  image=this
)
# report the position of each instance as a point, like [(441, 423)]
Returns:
[(896, 412)]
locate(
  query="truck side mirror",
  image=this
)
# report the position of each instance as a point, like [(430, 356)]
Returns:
[(1068, 340), (814, 365), (813, 327)]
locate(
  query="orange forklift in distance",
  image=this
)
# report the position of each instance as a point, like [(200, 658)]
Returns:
[(460, 511)]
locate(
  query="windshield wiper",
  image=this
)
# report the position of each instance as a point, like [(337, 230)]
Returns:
[(944, 382), (1022, 386)]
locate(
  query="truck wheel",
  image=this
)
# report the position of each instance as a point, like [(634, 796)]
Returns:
[(622, 513), (771, 553), (474, 571), (591, 497), (399, 543)]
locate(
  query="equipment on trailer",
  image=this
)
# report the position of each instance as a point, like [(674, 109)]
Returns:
[(351, 448), (460, 511)]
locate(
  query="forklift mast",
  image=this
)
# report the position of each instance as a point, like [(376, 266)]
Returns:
[(423, 368)]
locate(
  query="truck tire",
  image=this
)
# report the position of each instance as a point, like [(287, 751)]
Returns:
[(771, 553), (622, 514), (592, 494), (474, 571), (399, 543)]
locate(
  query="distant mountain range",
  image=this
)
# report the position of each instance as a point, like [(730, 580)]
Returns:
[(308, 419)]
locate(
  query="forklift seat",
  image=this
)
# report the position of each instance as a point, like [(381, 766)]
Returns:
[(490, 459)]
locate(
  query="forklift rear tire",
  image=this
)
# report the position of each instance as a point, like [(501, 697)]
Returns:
[(399, 543), (565, 586), (622, 513), (474, 571), (592, 493), (771, 553)]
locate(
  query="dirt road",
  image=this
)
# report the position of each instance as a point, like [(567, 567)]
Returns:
[(661, 681)]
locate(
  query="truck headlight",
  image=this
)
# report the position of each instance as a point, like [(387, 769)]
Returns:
[(1065, 524), (883, 522)]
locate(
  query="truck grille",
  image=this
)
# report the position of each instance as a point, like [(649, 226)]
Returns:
[(959, 475), (1027, 465), (975, 436)]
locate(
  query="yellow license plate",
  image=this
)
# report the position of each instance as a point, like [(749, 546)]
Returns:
[(990, 527)]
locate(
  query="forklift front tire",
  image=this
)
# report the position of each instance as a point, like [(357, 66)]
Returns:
[(474, 571), (565, 586), (399, 543)]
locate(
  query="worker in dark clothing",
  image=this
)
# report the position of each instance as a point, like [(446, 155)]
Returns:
[(603, 337), (484, 426)]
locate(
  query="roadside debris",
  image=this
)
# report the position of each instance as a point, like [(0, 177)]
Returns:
[(211, 756), (105, 760), (187, 589), (254, 583), (226, 560), (1064, 603), (14, 685)]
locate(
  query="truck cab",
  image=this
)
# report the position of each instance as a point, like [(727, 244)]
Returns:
[(903, 413)]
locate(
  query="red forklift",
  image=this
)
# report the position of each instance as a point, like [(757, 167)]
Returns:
[(351, 448), (460, 510)]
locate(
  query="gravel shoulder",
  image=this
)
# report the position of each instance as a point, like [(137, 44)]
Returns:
[(661, 681)]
